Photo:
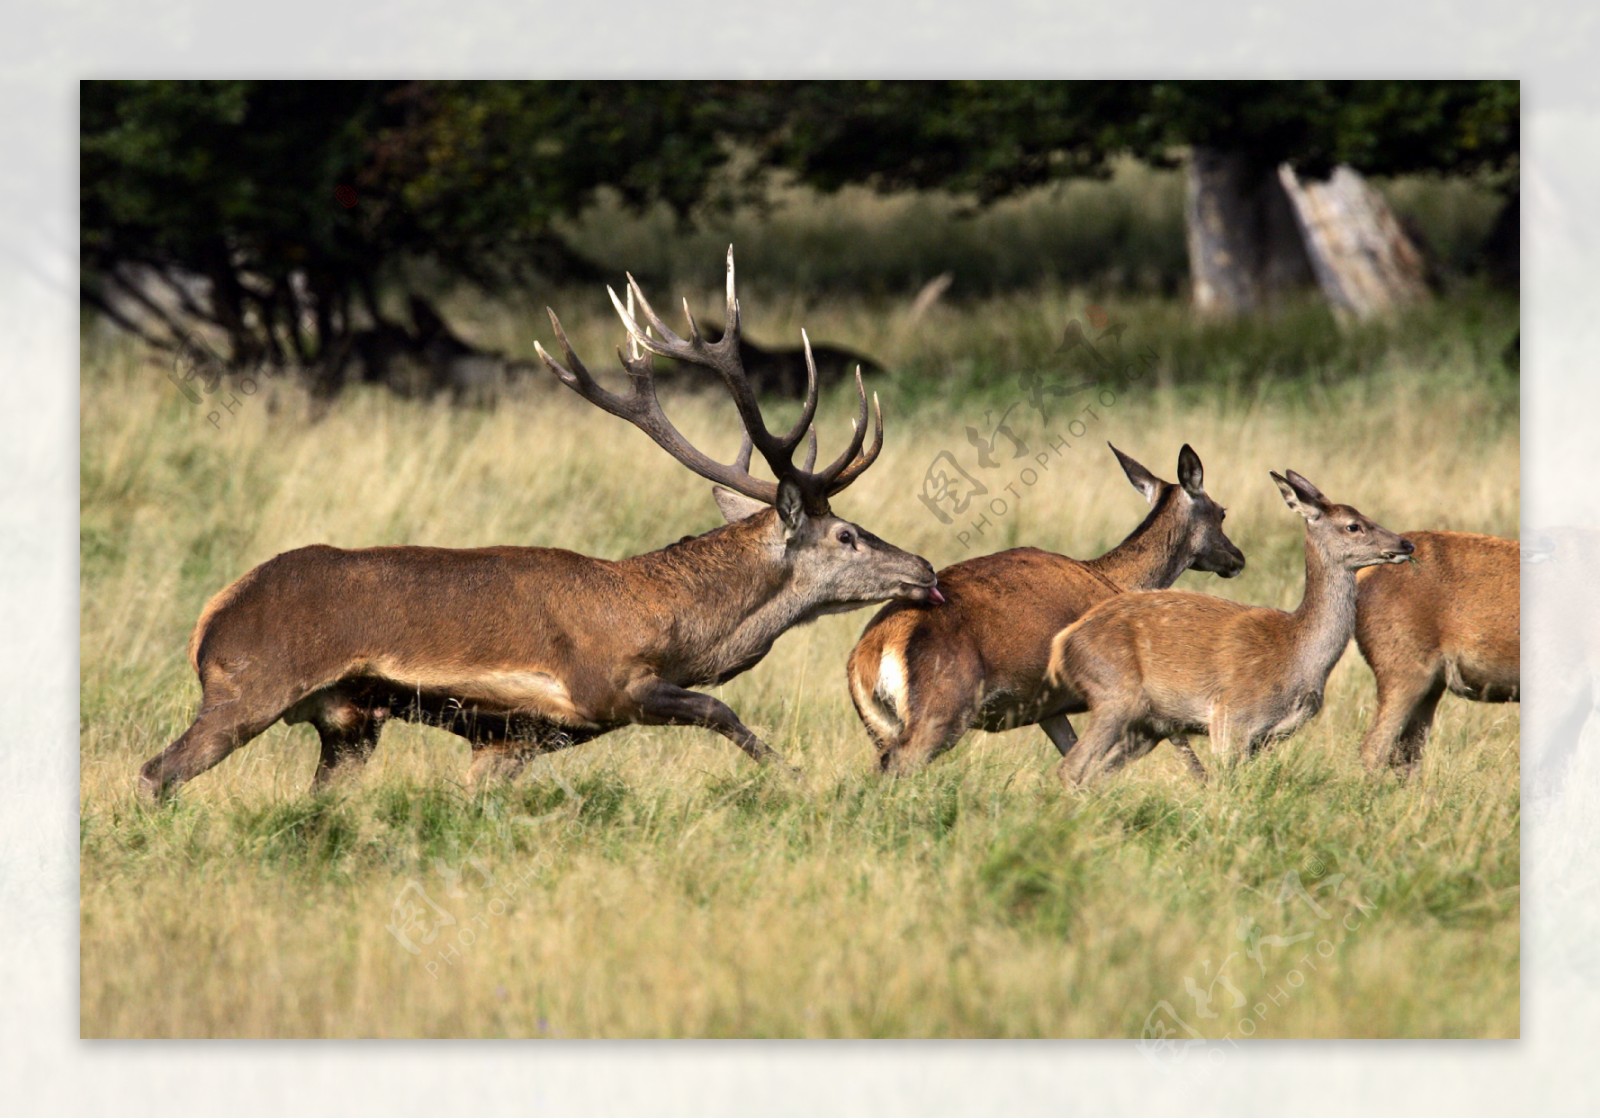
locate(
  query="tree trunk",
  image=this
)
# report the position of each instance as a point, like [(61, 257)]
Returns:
[(1364, 262), (1245, 250)]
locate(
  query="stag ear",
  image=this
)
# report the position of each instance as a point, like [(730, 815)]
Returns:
[(1191, 475), (791, 506), (1301, 496), (1143, 481), (735, 506)]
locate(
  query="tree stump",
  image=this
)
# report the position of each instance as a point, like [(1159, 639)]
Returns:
[(1363, 260)]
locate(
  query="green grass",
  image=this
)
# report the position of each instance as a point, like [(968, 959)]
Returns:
[(654, 883)]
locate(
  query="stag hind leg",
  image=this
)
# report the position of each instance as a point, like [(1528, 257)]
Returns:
[(229, 716), (349, 733)]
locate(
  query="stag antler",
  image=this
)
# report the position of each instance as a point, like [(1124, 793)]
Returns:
[(642, 408)]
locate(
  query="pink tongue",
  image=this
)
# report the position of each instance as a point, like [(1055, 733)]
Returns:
[(934, 596)]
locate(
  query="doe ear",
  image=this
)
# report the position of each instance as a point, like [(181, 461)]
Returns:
[(1143, 481), (791, 506), (1300, 495), (735, 506), (1191, 475)]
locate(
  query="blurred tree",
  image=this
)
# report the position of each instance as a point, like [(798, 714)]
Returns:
[(271, 210), (1266, 210), (276, 212)]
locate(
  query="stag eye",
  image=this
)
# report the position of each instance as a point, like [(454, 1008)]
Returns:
[(847, 538)]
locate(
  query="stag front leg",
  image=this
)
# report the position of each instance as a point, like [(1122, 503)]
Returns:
[(664, 704)]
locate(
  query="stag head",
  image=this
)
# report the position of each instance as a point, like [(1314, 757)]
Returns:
[(837, 564)]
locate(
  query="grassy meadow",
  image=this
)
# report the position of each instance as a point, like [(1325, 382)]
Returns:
[(654, 883)]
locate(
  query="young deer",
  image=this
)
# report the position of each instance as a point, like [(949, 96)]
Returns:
[(921, 678), (527, 650), (1451, 620), (1160, 664)]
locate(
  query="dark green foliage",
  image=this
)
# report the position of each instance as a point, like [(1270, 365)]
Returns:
[(299, 202)]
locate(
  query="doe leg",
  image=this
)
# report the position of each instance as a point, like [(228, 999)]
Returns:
[(1090, 756), (1402, 692), (1060, 733), (1180, 743)]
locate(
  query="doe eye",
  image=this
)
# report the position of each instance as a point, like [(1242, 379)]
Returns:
[(847, 538), (1352, 527)]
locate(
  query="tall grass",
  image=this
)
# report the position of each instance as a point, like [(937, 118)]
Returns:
[(653, 883)]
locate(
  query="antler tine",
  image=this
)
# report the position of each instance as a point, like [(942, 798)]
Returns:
[(574, 375), (648, 336), (808, 410), (634, 349), (732, 330), (855, 469), (694, 328), (723, 358), (642, 409), (652, 319), (848, 455)]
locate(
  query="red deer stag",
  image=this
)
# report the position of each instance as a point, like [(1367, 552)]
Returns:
[(1161, 664), (526, 650), (921, 678), (1450, 621)]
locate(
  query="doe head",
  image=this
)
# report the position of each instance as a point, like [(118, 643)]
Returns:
[(1198, 516), (1342, 533)]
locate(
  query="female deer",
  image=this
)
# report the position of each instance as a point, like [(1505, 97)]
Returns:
[(1161, 664)]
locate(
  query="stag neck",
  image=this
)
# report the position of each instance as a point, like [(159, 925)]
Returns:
[(735, 582), (726, 564), (1152, 556), (1325, 620)]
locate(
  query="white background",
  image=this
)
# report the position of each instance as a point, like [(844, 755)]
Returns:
[(44, 1068)]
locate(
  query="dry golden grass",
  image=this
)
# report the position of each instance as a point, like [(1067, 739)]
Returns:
[(653, 883)]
